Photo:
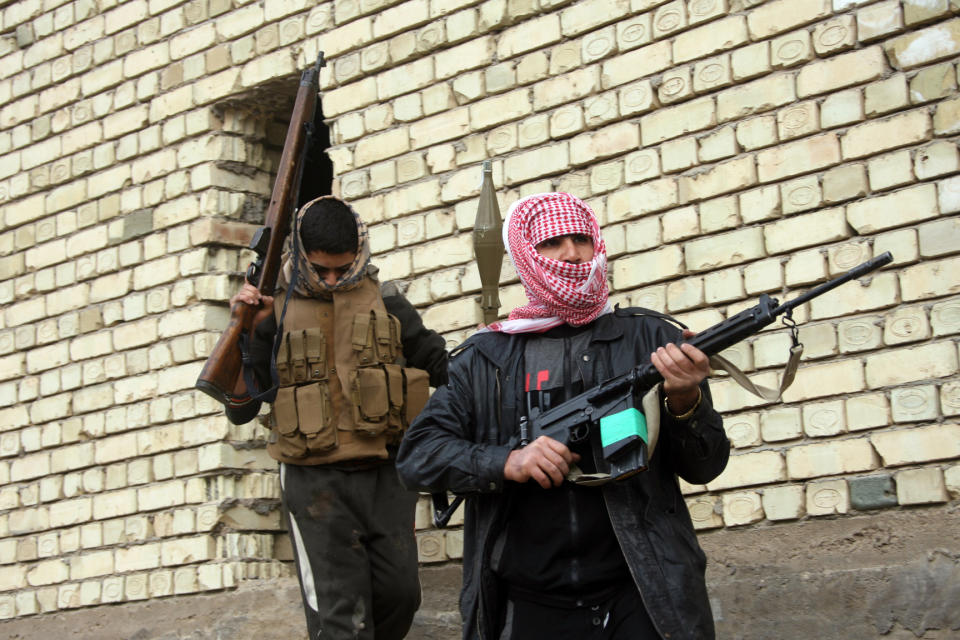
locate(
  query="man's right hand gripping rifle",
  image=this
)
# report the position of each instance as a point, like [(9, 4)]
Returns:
[(547, 461)]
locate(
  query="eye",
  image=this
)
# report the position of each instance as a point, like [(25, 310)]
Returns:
[(580, 238), (551, 242)]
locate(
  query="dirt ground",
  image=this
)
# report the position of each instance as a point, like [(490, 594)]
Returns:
[(892, 575)]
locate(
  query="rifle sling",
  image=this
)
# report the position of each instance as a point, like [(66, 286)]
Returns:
[(771, 395)]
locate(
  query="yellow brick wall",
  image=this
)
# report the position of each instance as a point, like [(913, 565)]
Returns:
[(730, 147)]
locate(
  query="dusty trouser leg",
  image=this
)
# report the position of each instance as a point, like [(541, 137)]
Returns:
[(328, 531), (392, 549)]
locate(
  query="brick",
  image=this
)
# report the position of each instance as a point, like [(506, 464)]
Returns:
[(945, 317), (188, 550), (528, 36), (812, 229), (841, 71), (586, 16), (781, 423), (899, 366), (380, 146), (874, 137), (801, 194), (648, 197), (736, 247), (705, 512), (743, 430), (782, 15), (920, 486), (756, 133), (535, 163), (748, 469), (827, 497), (915, 49), (755, 97), (647, 267), (445, 126), (885, 96), (606, 142), (791, 49), (469, 55), (138, 558), (114, 504), (946, 119), (783, 503), (636, 64), (841, 108), (742, 508), (917, 444), (890, 170), (824, 380), (719, 214), (906, 324), (937, 159), (933, 83), (831, 458), (720, 35), (71, 512), (798, 157), (951, 476), (904, 207), (823, 419), (914, 404), (400, 17), (672, 122), (569, 86), (872, 492), (509, 106), (732, 175)]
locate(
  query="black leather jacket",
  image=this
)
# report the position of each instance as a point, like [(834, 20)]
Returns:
[(461, 441)]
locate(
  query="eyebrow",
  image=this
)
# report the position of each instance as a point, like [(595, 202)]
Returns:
[(342, 267)]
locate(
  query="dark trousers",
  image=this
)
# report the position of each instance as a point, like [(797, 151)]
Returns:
[(620, 617), (353, 539)]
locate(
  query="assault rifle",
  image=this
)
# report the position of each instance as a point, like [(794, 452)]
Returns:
[(610, 412), (223, 368)]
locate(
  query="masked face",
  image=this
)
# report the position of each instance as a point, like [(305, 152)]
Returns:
[(573, 248)]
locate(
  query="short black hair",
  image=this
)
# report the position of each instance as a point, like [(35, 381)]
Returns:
[(329, 225)]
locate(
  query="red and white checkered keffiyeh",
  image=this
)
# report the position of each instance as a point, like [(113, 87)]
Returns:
[(559, 292)]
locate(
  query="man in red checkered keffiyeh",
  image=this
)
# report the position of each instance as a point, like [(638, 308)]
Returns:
[(561, 287)]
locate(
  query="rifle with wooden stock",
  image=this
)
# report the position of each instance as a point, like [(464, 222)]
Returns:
[(223, 367)]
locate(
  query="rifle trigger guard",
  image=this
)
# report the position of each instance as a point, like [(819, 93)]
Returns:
[(580, 432)]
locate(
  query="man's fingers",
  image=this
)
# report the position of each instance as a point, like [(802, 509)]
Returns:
[(554, 446)]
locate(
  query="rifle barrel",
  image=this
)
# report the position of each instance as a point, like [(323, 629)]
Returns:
[(858, 271)]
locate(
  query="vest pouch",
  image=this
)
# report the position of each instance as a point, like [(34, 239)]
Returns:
[(298, 356), (315, 423), (315, 350), (290, 441), (363, 340), (284, 375), (395, 421), (387, 329), (371, 403), (416, 384)]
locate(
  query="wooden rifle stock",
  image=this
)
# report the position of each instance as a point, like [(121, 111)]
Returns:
[(223, 367)]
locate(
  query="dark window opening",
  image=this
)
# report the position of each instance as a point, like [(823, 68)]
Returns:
[(318, 168)]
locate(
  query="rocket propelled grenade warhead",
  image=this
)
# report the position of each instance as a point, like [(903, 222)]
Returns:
[(488, 246)]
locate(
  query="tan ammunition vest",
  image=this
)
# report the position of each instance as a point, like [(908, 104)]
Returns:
[(343, 396)]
